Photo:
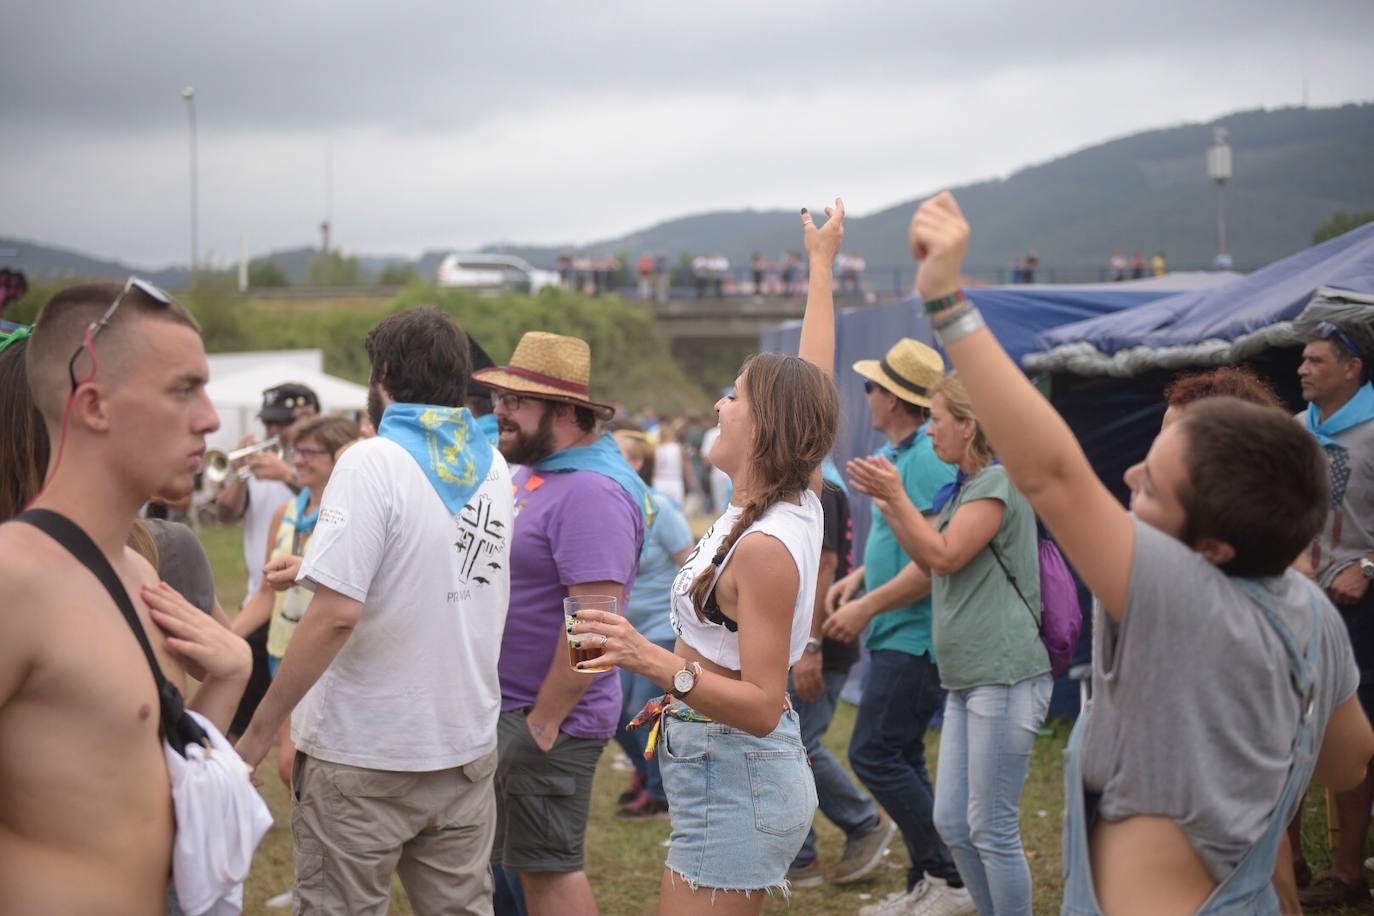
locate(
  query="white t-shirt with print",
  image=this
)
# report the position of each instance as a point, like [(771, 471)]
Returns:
[(415, 688)]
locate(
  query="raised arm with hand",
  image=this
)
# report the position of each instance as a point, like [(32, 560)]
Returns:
[(818, 323), (1040, 453)]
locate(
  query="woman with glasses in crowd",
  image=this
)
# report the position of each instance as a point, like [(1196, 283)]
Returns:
[(279, 601)]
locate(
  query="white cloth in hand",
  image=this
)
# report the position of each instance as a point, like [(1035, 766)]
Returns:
[(220, 817)]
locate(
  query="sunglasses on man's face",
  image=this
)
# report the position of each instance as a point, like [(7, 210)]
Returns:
[(95, 327), (1328, 329)]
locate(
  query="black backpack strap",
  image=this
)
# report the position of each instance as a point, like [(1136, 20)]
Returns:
[(178, 728), (1040, 623)]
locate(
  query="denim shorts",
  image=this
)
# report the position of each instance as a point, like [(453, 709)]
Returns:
[(740, 806)]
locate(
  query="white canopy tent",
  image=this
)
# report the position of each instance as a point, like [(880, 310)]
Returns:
[(237, 381)]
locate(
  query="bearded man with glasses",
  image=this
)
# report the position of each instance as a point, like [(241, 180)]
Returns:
[(86, 822)]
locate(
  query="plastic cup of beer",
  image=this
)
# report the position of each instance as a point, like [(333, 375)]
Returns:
[(586, 647)]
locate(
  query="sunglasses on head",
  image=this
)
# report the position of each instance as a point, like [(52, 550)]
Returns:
[(95, 327), (1328, 329)]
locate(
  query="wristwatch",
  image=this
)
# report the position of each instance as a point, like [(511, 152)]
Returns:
[(1367, 567), (686, 679), (813, 646)]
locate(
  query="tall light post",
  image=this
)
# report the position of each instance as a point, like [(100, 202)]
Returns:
[(189, 94), (1219, 171)]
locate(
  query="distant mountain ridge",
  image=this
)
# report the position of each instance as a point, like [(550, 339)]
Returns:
[(1293, 168)]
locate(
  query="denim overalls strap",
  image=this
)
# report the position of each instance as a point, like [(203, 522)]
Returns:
[(1248, 889)]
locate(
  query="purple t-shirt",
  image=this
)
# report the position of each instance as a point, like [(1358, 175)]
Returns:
[(570, 527)]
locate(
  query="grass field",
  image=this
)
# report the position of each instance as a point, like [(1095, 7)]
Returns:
[(625, 860)]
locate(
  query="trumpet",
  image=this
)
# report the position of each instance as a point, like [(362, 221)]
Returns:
[(218, 465)]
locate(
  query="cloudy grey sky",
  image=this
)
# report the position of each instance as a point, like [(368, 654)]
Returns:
[(460, 123)]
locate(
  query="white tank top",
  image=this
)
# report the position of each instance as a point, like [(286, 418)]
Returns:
[(799, 528)]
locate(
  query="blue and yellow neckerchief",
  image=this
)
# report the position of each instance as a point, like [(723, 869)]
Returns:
[(446, 443)]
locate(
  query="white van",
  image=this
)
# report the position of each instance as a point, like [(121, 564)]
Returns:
[(494, 272)]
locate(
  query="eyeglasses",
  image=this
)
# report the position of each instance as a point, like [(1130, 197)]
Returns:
[(1328, 329), (511, 402), (870, 387), (311, 452), (95, 327)]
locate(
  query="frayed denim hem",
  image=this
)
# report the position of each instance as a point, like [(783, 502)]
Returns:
[(784, 887)]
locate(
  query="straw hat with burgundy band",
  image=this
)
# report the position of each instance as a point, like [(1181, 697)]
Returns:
[(548, 366), (910, 370)]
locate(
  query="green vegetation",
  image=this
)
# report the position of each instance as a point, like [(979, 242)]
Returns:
[(1340, 223), (333, 269), (267, 274), (631, 366), (399, 273)]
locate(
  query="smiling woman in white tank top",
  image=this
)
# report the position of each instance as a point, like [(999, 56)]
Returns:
[(742, 610)]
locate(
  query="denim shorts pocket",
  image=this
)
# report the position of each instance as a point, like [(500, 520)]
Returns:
[(777, 782), (690, 737)]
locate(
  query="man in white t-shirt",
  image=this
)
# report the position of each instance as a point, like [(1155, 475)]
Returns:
[(394, 665)]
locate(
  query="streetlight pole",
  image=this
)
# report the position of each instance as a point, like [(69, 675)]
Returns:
[(1219, 171), (189, 94)]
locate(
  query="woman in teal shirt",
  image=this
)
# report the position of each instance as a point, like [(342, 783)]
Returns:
[(992, 661)]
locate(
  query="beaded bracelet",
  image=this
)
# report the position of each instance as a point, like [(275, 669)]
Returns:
[(944, 302)]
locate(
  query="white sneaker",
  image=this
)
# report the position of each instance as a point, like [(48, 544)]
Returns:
[(942, 900), (898, 904), (282, 901)]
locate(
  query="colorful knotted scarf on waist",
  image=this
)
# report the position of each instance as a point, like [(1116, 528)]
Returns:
[(655, 710)]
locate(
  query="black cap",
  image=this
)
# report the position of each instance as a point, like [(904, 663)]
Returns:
[(480, 360), (282, 403)]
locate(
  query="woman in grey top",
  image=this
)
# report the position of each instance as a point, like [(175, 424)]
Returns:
[(1223, 681), (987, 645)]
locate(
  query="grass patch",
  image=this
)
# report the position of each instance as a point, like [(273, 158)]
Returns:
[(625, 859)]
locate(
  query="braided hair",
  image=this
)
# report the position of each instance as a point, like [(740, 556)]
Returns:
[(795, 410)]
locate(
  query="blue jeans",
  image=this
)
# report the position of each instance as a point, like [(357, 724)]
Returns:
[(637, 691), (985, 751), (840, 800), (888, 754)]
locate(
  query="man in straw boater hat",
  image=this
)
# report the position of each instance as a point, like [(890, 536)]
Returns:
[(580, 523), (902, 691)]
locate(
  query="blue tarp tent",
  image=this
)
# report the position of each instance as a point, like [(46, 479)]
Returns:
[(1226, 324), (1108, 374)]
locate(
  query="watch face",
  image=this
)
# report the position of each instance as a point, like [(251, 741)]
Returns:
[(683, 681)]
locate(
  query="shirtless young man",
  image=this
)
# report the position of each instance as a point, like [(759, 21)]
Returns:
[(86, 820)]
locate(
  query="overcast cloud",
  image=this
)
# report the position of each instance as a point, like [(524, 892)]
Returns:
[(456, 124)]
